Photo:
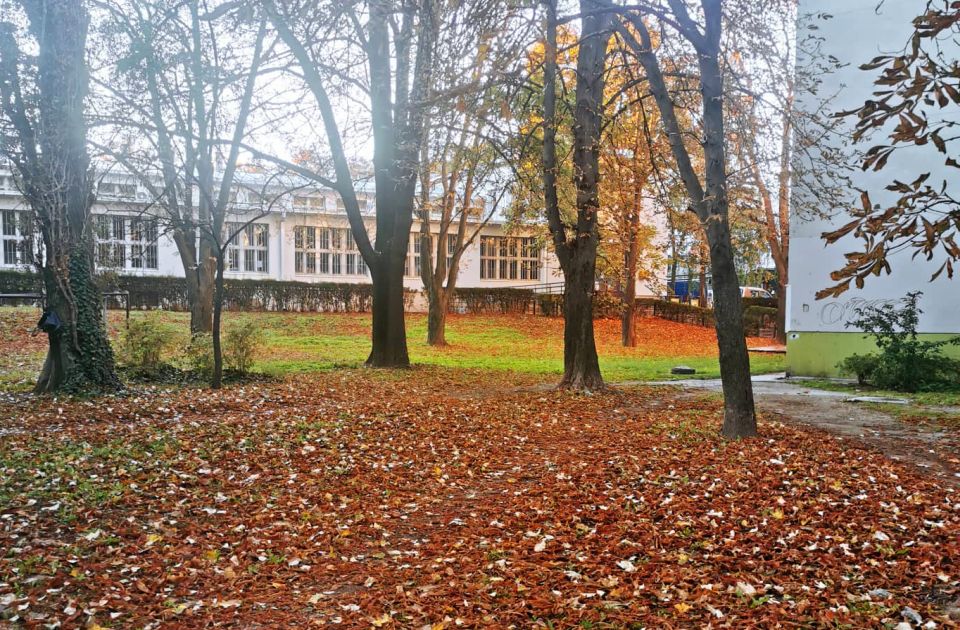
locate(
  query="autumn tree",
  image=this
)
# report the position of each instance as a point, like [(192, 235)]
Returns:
[(707, 192), (43, 131), (915, 106), (791, 160), (177, 95), (634, 157), (386, 56), (463, 176), (575, 241)]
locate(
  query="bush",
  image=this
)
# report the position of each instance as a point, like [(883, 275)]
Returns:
[(143, 343), (198, 354), (905, 363), (860, 365), (607, 305), (482, 301), (243, 343)]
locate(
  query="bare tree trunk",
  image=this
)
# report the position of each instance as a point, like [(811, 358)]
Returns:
[(577, 253), (217, 380), (437, 319), (702, 297), (709, 197), (628, 327), (739, 419)]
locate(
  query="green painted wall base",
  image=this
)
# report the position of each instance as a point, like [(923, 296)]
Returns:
[(817, 353)]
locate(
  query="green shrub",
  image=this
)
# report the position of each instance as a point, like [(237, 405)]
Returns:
[(860, 365), (243, 343), (607, 305), (905, 363), (143, 342), (198, 354)]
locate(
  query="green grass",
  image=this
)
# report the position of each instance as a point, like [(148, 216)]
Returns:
[(319, 342), (306, 342)]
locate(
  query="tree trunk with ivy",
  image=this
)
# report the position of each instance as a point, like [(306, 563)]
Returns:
[(49, 152)]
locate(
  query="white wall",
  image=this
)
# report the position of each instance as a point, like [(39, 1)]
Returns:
[(858, 32)]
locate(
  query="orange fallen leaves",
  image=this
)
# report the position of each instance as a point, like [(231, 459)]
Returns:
[(434, 499)]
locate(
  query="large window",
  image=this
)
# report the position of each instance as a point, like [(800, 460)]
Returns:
[(412, 267), (309, 203), (126, 242), (115, 190), (16, 230), (509, 258), (248, 250), (326, 251)]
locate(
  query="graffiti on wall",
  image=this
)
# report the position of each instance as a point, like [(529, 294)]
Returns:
[(844, 312)]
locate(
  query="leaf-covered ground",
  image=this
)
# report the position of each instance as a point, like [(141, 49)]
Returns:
[(448, 498)]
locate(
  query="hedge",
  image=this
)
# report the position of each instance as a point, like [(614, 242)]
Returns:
[(170, 293), (482, 301)]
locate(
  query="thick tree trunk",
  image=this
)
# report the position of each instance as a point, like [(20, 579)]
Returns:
[(437, 318), (201, 273), (581, 365), (54, 166), (628, 324), (201, 302), (389, 333), (79, 356)]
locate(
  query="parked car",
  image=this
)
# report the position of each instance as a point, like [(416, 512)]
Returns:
[(755, 292), (746, 292)]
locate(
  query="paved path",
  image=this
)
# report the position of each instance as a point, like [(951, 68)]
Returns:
[(934, 450)]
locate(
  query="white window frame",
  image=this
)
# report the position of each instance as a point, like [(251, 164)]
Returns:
[(333, 250), (509, 258), (249, 250), (16, 232), (126, 242)]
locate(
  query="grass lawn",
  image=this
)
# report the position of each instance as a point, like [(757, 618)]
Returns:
[(308, 342)]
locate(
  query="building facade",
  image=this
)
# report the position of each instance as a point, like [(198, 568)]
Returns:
[(302, 235), (297, 234), (818, 335)]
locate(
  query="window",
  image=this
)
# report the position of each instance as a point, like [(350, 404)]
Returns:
[(509, 258), (117, 191), (126, 242), (451, 248), (309, 203), (328, 251), (7, 183), (412, 266), (248, 250), (16, 231)]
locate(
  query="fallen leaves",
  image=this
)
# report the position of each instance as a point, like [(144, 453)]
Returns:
[(426, 499)]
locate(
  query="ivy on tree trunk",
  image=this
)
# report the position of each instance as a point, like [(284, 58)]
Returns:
[(48, 150)]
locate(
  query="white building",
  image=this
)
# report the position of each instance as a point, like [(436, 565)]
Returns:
[(303, 235), (818, 337)]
